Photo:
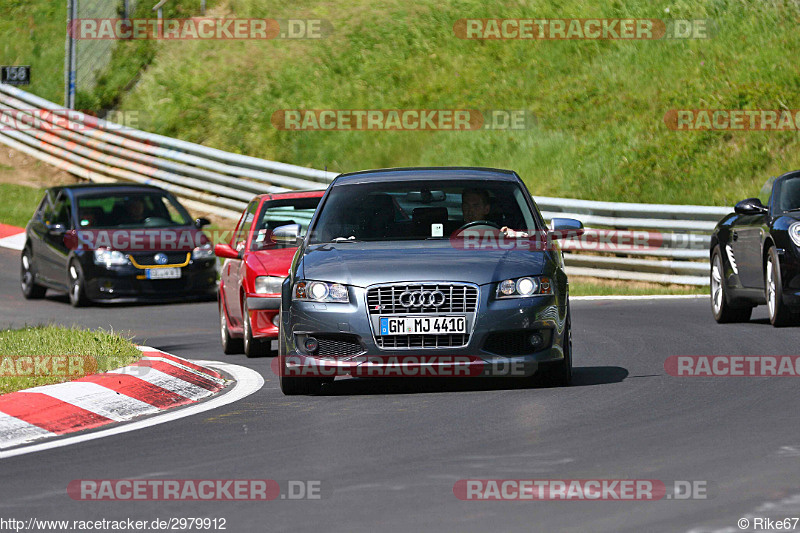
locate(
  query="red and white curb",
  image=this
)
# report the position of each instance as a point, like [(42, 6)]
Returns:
[(157, 382), (12, 237)]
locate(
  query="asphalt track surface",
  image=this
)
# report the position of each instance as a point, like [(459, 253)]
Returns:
[(388, 453)]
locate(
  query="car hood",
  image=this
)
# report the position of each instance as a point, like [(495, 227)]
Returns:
[(367, 263), (275, 262)]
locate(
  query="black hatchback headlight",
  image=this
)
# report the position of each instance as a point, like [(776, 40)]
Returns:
[(794, 233), (524, 287)]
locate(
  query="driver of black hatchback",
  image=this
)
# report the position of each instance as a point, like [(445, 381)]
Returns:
[(476, 204)]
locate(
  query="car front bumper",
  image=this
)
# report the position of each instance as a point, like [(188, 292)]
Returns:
[(517, 317), (127, 283)]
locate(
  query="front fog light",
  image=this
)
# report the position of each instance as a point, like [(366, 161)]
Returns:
[(276, 320), (311, 345), (536, 340)]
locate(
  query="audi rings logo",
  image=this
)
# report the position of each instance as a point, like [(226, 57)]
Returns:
[(422, 298)]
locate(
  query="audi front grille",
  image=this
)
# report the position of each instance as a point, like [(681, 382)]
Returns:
[(432, 298), (395, 299)]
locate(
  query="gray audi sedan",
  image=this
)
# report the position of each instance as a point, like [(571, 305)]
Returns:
[(425, 272)]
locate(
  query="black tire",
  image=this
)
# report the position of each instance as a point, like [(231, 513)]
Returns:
[(252, 347), (30, 289), (779, 314), (230, 345), (77, 285), (559, 374), (720, 308)]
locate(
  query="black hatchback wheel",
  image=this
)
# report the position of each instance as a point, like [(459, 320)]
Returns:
[(30, 289), (77, 289)]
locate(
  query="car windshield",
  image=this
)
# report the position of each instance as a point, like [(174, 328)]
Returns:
[(131, 210), (787, 195), (416, 210), (282, 212)]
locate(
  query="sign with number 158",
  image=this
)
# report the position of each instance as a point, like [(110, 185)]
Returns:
[(15, 75)]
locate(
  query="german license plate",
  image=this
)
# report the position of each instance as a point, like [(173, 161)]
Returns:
[(163, 273), (416, 325)]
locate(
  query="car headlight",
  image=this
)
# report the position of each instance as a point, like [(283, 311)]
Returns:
[(524, 287), (794, 233), (268, 284), (320, 291), (110, 258), (205, 251)]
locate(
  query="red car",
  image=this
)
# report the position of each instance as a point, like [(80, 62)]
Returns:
[(254, 269)]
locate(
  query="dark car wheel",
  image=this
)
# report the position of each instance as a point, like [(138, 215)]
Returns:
[(779, 313), (30, 289), (230, 345), (77, 289), (722, 310), (252, 347), (297, 386)]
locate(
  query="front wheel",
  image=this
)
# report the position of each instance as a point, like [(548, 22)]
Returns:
[(77, 289), (722, 310), (230, 345), (559, 374), (252, 347), (30, 289), (779, 313)]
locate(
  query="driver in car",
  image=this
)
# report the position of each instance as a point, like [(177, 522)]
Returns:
[(476, 204)]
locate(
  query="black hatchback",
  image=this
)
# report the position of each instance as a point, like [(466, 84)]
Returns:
[(116, 243)]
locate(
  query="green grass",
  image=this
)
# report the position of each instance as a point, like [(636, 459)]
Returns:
[(18, 203), (86, 352), (588, 287), (600, 105)]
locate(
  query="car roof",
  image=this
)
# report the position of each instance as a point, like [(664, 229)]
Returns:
[(80, 189), (427, 173), (288, 195)]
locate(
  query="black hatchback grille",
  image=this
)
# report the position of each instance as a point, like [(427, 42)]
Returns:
[(458, 298), (149, 259)]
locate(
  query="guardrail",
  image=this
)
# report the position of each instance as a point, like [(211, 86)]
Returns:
[(222, 183)]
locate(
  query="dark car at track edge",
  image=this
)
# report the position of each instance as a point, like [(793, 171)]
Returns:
[(755, 255)]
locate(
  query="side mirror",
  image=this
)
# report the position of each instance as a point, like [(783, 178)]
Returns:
[(226, 252), (201, 222), (56, 229), (750, 206), (287, 235), (564, 228)]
